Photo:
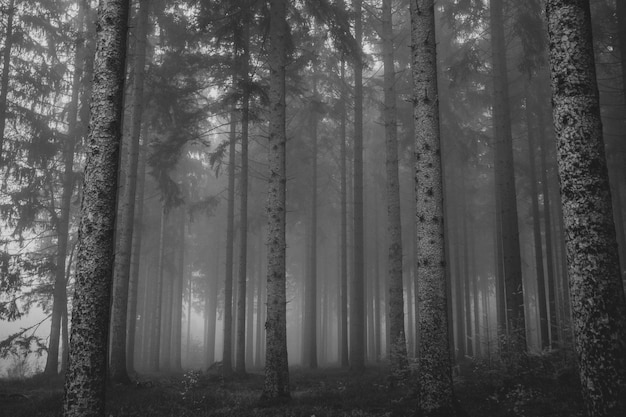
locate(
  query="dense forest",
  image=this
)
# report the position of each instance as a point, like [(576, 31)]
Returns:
[(313, 207)]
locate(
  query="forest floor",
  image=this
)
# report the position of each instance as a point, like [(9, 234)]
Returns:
[(481, 391)]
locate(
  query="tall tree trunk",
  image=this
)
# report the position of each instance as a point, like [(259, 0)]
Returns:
[(310, 313), (357, 290), (177, 293), (118, 371), (59, 301), (85, 381), (504, 167), (155, 351), (547, 226), (541, 282), (397, 351), (276, 386), (596, 291), (240, 364), (6, 67), (227, 352), (435, 393), (343, 348), (211, 307)]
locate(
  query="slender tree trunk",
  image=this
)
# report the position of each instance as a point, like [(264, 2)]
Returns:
[(343, 348), (547, 226), (6, 67), (357, 290), (310, 313), (435, 393), (155, 351), (516, 325), (118, 371), (211, 307), (227, 352), (177, 294), (86, 376), (596, 290), (276, 387), (397, 351), (243, 209), (59, 302), (541, 285)]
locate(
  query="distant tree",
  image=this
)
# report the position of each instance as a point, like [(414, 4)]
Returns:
[(596, 291), (357, 290), (59, 301), (118, 371), (276, 385), (397, 351), (435, 391), (86, 375), (515, 326)]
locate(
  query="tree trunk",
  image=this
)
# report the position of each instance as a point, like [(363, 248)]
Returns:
[(211, 307), (310, 313), (4, 81), (227, 352), (547, 220), (59, 302), (541, 284), (504, 166), (596, 291), (177, 294), (118, 371), (240, 364), (357, 290), (276, 386), (86, 376), (435, 394), (397, 351), (155, 351), (343, 348)]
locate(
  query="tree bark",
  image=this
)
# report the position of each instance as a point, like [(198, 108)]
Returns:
[(85, 380), (435, 393), (276, 386), (596, 291)]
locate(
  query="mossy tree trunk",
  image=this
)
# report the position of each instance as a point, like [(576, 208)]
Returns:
[(85, 381), (596, 292)]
